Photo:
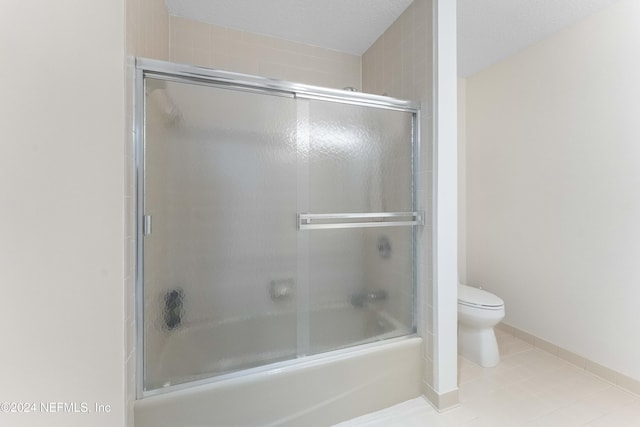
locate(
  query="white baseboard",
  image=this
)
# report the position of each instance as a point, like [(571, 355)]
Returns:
[(605, 373)]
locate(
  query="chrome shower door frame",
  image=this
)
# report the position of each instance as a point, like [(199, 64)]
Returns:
[(216, 78)]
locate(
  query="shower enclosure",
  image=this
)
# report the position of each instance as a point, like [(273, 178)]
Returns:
[(276, 221)]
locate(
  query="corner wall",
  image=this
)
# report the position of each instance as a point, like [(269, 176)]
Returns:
[(401, 64), (61, 223), (553, 171)]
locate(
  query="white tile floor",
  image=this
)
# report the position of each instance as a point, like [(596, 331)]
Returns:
[(529, 387)]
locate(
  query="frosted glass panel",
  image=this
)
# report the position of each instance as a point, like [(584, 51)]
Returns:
[(221, 191), (233, 277), (360, 159), (360, 284), (360, 280)]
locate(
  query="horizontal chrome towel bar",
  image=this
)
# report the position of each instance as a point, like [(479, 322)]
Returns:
[(359, 220)]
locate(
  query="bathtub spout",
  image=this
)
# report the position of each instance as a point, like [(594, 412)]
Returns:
[(359, 299)]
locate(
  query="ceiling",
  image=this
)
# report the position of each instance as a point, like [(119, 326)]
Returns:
[(349, 26), (492, 30), (488, 30)]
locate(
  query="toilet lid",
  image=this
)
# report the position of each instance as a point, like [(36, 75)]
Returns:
[(477, 297)]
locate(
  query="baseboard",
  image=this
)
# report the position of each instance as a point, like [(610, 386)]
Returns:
[(605, 373), (441, 402)]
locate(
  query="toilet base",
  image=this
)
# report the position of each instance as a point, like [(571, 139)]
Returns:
[(479, 346)]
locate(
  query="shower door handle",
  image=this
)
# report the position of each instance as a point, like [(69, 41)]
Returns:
[(146, 225), (359, 220)]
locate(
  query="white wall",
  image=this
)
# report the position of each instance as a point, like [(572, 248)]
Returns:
[(61, 220), (553, 179), (445, 198)]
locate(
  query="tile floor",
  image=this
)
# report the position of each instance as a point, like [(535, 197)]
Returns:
[(529, 387)]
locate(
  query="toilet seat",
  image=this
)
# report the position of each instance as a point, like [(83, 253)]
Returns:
[(477, 298)]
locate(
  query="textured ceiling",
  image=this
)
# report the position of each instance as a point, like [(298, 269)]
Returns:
[(492, 30), (488, 30), (345, 25)]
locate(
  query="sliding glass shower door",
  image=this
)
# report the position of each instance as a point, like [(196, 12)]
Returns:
[(358, 169), (273, 224)]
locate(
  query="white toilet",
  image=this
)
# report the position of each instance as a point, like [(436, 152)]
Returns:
[(478, 312)]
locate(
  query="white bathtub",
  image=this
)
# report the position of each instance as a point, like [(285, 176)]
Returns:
[(314, 391)]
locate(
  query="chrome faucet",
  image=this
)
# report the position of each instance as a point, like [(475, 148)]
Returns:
[(359, 299)]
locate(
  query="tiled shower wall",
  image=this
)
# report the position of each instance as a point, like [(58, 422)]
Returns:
[(400, 64), (148, 29), (197, 43)]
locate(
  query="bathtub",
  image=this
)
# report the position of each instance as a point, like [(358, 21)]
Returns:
[(195, 385)]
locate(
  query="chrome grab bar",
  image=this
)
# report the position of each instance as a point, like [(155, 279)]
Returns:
[(358, 220)]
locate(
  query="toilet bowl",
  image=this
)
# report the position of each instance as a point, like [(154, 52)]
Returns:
[(478, 312)]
